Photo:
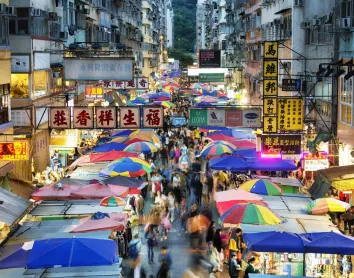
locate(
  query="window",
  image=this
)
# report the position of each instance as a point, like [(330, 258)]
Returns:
[(19, 86), (346, 100), (345, 8), (39, 26), (20, 24), (223, 44), (4, 103), (4, 30), (40, 80)]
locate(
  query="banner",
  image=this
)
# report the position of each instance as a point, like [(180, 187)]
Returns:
[(209, 58), (98, 69), (290, 114), (237, 117), (212, 77), (284, 144), (270, 124), (106, 117), (14, 150), (315, 163)]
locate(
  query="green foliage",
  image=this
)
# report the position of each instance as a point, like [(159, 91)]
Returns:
[(185, 24), (184, 58)]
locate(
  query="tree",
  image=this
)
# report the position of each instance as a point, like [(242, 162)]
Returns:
[(185, 59)]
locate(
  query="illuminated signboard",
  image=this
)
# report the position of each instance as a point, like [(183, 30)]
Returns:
[(14, 150), (315, 162)]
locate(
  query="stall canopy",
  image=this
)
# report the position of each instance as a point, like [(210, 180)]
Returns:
[(232, 163), (341, 178), (12, 256), (270, 164), (274, 241), (113, 146), (98, 191), (236, 194), (244, 144), (55, 192), (71, 252), (124, 181), (328, 243)]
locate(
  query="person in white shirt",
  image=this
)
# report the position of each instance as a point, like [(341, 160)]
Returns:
[(176, 180), (171, 206)]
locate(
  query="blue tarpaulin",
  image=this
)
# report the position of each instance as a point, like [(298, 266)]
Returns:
[(233, 163), (328, 243), (274, 242), (246, 153), (71, 252), (272, 164), (13, 256), (109, 147)]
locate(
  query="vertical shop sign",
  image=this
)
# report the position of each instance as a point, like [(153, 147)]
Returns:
[(270, 124), (129, 117), (130, 85), (270, 87), (153, 117), (290, 115), (83, 117), (270, 50), (270, 106), (59, 118), (142, 83), (270, 69), (106, 117)]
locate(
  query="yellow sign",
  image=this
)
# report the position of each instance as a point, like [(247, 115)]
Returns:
[(270, 106), (270, 68), (270, 87), (270, 50), (270, 124), (291, 114), (14, 150)]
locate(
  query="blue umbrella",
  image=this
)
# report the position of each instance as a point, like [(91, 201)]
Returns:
[(113, 146), (275, 241), (124, 181), (103, 140), (272, 164), (246, 153), (13, 256), (201, 104), (232, 163), (205, 92), (122, 133), (71, 252)]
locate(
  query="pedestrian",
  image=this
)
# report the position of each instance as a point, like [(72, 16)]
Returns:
[(251, 268), (236, 244), (214, 258), (151, 238), (198, 189), (210, 235), (183, 214), (234, 267), (140, 205), (215, 273), (134, 247), (165, 260), (172, 156), (171, 201), (205, 194), (217, 242), (348, 221), (165, 224)]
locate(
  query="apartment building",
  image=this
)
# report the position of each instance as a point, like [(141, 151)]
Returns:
[(200, 25)]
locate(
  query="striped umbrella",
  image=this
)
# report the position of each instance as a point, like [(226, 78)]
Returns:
[(165, 103), (141, 147), (262, 187), (221, 142), (112, 201), (324, 205), (216, 149), (251, 214), (127, 167)]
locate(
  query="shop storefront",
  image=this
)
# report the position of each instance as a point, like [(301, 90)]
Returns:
[(281, 263)]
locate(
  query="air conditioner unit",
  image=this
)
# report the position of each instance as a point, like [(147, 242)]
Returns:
[(35, 12), (53, 16), (2, 8), (316, 22), (298, 3), (344, 23), (64, 36)]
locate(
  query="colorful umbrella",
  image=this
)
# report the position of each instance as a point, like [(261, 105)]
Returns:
[(141, 147), (251, 214), (111, 146), (124, 133), (217, 137), (216, 149), (127, 167), (222, 207), (324, 205), (262, 187), (55, 192), (236, 194), (97, 191), (112, 201), (167, 104), (244, 144), (135, 140)]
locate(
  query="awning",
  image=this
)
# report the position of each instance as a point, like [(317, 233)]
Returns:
[(341, 177), (5, 167), (283, 11)]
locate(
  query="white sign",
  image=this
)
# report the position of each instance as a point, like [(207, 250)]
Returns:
[(20, 63), (316, 164), (291, 157), (21, 117), (143, 83), (197, 71), (98, 69), (41, 61), (251, 117), (216, 117)]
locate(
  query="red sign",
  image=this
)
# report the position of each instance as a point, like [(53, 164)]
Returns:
[(106, 117), (59, 117), (83, 117), (129, 117), (153, 117), (13, 151), (233, 118)]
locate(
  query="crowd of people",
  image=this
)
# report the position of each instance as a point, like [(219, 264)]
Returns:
[(180, 189)]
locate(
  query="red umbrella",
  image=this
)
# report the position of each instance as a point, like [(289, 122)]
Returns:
[(102, 157), (98, 191), (126, 190), (244, 144), (52, 193), (101, 222), (224, 206), (135, 140), (222, 137)]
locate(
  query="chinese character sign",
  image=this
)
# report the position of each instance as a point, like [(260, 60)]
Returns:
[(291, 85), (60, 117), (270, 106), (153, 117), (290, 116), (270, 124), (14, 150), (131, 85), (106, 117), (83, 117), (270, 87), (270, 50), (270, 69), (142, 83), (285, 144), (129, 117)]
